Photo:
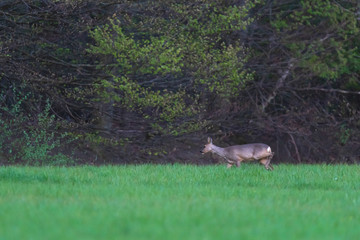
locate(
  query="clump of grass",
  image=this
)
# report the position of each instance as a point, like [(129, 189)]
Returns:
[(180, 202)]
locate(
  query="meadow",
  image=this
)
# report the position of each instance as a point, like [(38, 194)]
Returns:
[(180, 202)]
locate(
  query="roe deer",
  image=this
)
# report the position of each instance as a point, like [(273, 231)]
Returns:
[(239, 153)]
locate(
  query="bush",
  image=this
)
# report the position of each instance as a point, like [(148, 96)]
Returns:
[(28, 139)]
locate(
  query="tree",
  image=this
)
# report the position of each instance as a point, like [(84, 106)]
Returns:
[(307, 67), (140, 80), (164, 67)]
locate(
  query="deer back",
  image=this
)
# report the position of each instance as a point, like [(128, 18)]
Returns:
[(252, 151)]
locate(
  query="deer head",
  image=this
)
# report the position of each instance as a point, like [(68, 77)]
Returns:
[(208, 146)]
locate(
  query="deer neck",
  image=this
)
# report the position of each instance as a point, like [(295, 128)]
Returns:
[(219, 151)]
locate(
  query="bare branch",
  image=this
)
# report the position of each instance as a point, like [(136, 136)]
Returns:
[(296, 148), (327, 90), (279, 84)]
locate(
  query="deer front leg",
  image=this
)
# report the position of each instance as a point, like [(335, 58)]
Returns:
[(229, 165), (238, 163)]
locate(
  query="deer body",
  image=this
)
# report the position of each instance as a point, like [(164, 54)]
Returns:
[(239, 153)]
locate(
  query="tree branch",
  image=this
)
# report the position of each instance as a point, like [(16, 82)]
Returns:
[(327, 90), (279, 84)]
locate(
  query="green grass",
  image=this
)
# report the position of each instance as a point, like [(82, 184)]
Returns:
[(180, 202)]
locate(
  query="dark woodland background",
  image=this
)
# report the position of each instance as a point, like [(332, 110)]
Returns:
[(108, 82)]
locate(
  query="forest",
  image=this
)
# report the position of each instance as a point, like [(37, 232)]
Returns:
[(128, 82)]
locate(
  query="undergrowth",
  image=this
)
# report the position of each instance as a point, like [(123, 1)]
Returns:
[(31, 139)]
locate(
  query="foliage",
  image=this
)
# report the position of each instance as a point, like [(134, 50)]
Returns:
[(307, 66), (128, 78), (331, 51), (30, 139), (162, 49), (180, 202)]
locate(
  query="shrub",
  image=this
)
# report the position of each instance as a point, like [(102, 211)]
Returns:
[(28, 139)]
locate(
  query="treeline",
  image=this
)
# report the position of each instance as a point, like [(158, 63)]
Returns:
[(147, 81)]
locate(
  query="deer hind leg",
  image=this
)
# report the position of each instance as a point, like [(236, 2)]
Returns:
[(266, 163), (229, 165), (270, 167)]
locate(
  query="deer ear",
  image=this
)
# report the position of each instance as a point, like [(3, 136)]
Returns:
[(209, 140)]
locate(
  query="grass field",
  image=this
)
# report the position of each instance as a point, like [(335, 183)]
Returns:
[(180, 202)]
